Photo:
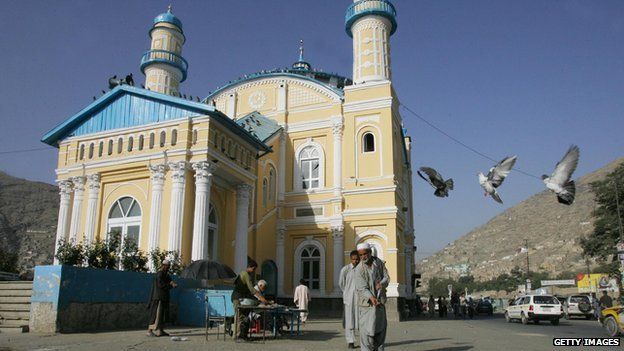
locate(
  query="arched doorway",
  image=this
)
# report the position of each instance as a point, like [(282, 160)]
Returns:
[(269, 273)]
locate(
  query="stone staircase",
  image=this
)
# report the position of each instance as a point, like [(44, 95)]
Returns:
[(15, 306)]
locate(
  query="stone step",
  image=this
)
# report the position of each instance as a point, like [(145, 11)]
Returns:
[(14, 306), (13, 329), (25, 292), (14, 299), (24, 315), (16, 285), (13, 322)]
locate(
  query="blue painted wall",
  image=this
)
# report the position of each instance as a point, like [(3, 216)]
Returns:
[(62, 285)]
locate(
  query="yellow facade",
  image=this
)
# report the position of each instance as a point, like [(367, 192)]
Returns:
[(361, 194)]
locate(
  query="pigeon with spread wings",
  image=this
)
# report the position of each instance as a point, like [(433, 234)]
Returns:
[(434, 179), (559, 181), (495, 177)]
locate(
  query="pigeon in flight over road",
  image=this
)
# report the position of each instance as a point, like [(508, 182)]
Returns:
[(434, 178), (496, 176), (559, 181)]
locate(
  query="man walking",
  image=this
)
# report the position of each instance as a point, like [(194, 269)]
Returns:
[(347, 285), (301, 299), (158, 303), (371, 281)]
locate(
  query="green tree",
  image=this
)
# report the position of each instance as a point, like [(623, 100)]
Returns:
[(607, 221)]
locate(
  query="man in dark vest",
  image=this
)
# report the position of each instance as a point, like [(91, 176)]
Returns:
[(158, 303), (244, 289)]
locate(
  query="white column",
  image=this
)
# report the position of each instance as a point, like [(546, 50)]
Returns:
[(92, 202), (279, 258), (178, 178), (243, 192), (337, 127), (203, 181), (338, 238), (79, 183), (281, 179), (62, 226), (157, 185)]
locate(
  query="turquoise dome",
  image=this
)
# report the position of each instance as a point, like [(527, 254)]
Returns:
[(168, 17)]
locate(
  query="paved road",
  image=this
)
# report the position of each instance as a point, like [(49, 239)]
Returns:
[(484, 333)]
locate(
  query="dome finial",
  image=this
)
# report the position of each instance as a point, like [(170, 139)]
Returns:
[(169, 8), (301, 63), (301, 50)]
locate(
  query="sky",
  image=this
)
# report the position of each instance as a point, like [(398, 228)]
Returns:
[(524, 78)]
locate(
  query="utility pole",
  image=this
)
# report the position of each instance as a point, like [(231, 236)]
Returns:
[(526, 282)]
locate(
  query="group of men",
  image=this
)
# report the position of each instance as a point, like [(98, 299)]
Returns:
[(363, 283)]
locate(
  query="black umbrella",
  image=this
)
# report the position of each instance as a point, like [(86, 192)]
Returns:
[(208, 270)]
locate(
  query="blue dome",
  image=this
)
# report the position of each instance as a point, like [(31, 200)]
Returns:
[(168, 17)]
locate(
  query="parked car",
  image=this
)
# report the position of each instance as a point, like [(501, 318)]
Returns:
[(613, 320), (535, 308), (484, 306), (578, 305)]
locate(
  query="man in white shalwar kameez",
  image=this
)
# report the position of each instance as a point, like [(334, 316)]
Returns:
[(371, 281), (347, 285), (301, 299)]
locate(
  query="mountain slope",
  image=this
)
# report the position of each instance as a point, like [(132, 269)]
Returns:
[(28, 215), (553, 232)]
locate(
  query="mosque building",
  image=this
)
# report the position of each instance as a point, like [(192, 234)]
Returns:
[(291, 167)]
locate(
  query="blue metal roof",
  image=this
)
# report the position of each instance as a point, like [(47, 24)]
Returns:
[(126, 106), (309, 75), (168, 17), (259, 126)]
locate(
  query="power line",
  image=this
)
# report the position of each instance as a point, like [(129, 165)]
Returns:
[(23, 151), (462, 143)]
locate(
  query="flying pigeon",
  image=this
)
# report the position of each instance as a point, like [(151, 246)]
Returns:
[(559, 182), (434, 178), (496, 176)]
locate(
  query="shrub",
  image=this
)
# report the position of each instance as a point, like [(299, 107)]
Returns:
[(69, 253), (156, 257), (133, 259)]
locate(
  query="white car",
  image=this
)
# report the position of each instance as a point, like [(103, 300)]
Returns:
[(578, 305), (535, 308)]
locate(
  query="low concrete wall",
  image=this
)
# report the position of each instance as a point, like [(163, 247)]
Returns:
[(70, 299)]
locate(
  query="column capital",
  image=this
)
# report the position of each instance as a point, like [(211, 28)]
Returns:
[(65, 186), (203, 170), (79, 182), (337, 125), (94, 181), (243, 191), (178, 170), (281, 234), (158, 172), (337, 231)]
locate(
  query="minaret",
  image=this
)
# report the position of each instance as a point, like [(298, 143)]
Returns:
[(371, 23), (163, 65)]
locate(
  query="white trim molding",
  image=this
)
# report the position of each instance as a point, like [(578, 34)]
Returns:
[(370, 211), (364, 105)]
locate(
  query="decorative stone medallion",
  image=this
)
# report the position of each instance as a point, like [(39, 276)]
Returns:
[(256, 100)]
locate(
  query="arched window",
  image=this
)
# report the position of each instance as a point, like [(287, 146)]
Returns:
[(101, 149), (163, 138), (119, 145), (91, 148), (130, 143), (310, 168), (151, 141), (124, 218), (264, 192), (110, 147), (311, 267), (81, 156), (213, 236), (174, 137), (141, 142), (194, 136), (222, 144), (368, 142), (271, 184)]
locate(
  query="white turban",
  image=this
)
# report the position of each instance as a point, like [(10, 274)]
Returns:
[(166, 262), (363, 246)]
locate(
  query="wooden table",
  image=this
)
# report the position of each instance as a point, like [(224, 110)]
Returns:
[(273, 311)]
